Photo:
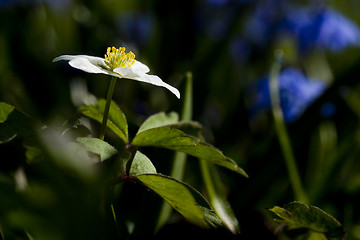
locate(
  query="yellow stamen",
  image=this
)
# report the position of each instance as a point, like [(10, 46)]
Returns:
[(116, 58)]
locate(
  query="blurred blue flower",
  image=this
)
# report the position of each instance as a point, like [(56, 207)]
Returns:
[(328, 110), (136, 27), (263, 23), (220, 3), (55, 5), (296, 93), (239, 49), (5, 3), (214, 21), (215, 17), (324, 28), (217, 2)]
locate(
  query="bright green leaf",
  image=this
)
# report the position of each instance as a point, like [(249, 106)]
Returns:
[(97, 146), (298, 215), (116, 121), (174, 139), (217, 197), (158, 120), (141, 164), (13, 123), (182, 198)]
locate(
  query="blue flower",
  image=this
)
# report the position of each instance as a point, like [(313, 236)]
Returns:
[(239, 49), (215, 17), (328, 110), (296, 93), (135, 26), (322, 28), (263, 23), (217, 3)]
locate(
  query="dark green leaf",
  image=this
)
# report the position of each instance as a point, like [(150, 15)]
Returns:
[(182, 198), (13, 123), (116, 121), (33, 152), (174, 139), (190, 128), (298, 215)]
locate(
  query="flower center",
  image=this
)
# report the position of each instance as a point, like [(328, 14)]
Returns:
[(116, 58)]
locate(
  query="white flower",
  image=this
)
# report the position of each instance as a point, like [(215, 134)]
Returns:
[(119, 64)]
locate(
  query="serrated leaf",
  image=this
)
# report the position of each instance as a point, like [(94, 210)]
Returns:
[(116, 121), (190, 128), (174, 139), (13, 123), (97, 146), (158, 120), (298, 215), (182, 197), (141, 164)]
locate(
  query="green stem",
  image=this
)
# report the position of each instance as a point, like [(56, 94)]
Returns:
[(282, 134), (178, 167), (208, 182), (107, 108)]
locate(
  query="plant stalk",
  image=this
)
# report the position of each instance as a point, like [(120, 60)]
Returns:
[(178, 167), (107, 108), (282, 134)]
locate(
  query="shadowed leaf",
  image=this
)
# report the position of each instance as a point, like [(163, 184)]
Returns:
[(298, 215), (174, 139), (183, 198)]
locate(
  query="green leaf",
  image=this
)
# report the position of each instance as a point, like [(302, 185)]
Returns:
[(190, 128), (298, 215), (178, 166), (158, 120), (174, 139), (13, 123), (141, 164), (97, 146), (115, 115), (182, 197), (217, 197), (116, 121), (5, 111)]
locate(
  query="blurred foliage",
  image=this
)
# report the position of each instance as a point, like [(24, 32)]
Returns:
[(227, 49)]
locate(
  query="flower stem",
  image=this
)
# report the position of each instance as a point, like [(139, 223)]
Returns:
[(107, 108), (282, 134)]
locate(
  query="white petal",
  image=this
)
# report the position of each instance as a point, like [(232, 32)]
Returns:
[(152, 79), (86, 63), (136, 72), (128, 72), (140, 67)]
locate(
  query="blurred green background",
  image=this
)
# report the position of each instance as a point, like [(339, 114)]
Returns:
[(226, 54)]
